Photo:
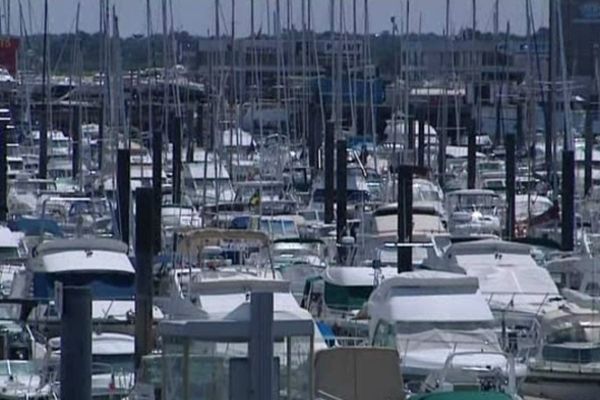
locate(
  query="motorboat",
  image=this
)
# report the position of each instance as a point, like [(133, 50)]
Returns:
[(12, 257), (216, 289), (24, 194), (382, 224), (474, 212), (566, 364), (207, 180), (430, 316), (270, 196), (338, 298), (517, 289), (21, 379), (298, 260), (99, 263), (577, 278), (78, 214), (112, 364)]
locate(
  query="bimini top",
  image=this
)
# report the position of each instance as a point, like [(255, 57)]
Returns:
[(194, 239), (81, 255), (429, 296)]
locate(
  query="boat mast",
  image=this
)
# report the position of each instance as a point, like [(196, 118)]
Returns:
[(550, 124), (149, 81), (43, 150)]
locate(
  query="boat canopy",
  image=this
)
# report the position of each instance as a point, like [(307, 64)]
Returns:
[(199, 238)]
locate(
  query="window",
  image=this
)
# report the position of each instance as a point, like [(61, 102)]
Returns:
[(385, 336), (346, 297)]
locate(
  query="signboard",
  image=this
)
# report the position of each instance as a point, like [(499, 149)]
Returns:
[(8, 54)]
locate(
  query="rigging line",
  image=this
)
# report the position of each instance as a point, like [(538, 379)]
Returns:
[(66, 44)]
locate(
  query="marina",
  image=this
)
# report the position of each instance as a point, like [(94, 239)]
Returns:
[(299, 200)]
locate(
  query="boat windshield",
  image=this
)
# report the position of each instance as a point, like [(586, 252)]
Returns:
[(425, 194), (7, 253), (17, 368), (104, 285), (473, 200), (575, 332), (424, 326), (268, 190), (32, 186), (279, 227), (353, 196), (572, 353), (346, 297)]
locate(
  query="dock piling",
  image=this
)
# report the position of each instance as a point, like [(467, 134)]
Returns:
[(76, 343)]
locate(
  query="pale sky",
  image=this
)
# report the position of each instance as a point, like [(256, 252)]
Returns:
[(197, 16)]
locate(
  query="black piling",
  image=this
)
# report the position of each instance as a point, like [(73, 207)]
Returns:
[(589, 145), (76, 141), (471, 154), (176, 160), (260, 348), (510, 185), (329, 172), (568, 200), (3, 170), (144, 223), (157, 140), (421, 140), (405, 201), (76, 343), (341, 189), (123, 192)]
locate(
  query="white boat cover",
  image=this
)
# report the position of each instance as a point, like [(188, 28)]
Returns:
[(428, 351)]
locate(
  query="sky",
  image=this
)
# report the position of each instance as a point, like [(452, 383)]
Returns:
[(197, 16)]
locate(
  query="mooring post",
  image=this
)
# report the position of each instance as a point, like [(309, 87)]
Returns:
[(568, 200), (144, 223), (123, 192), (261, 346), (76, 343), (405, 222)]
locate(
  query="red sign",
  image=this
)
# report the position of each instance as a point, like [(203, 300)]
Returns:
[(8, 54)]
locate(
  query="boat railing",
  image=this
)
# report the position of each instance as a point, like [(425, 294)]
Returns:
[(453, 345), (510, 303)]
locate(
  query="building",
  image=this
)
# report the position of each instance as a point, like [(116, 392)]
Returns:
[(581, 29), (270, 61)]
